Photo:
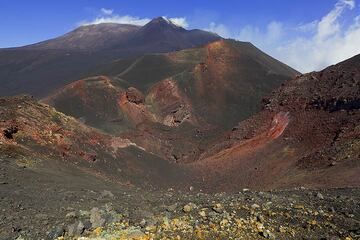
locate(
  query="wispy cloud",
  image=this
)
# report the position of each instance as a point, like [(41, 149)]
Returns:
[(108, 16), (179, 21), (220, 29), (329, 43), (106, 11), (307, 27), (273, 33), (306, 46)]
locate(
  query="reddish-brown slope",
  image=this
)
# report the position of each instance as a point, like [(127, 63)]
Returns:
[(170, 104), (307, 134), (35, 135), (131, 102), (93, 101), (189, 96), (316, 144), (228, 84)]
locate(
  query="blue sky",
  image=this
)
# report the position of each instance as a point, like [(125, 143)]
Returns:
[(288, 30)]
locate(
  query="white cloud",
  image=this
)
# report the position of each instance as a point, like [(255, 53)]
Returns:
[(108, 16), (306, 46), (178, 21), (274, 32), (330, 43), (219, 29), (106, 11), (307, 27), (126, 19), (329, 24)]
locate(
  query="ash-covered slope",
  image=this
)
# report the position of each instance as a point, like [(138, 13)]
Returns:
[(89, 38), (39, 68)]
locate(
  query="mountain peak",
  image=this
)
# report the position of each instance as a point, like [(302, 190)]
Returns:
[(163, 22), (161, 19)]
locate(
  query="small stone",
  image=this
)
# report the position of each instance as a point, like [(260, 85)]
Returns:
[(143, 223), (267, 234), (212, 214), (107, 194), (299, 206), (282, 229), (109, 207), (218, 208), (187, 208), (55, 233), (151, 228), (84, 213), (254, 206), (202, 214), (320, 196), (260, 227), (312, 222), (71, 215), (87, 224), (224, 222)]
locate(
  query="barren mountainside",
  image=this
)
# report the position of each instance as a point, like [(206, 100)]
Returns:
[(42, 67)]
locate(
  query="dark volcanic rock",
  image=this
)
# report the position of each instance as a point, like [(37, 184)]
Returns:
[(9, 132)]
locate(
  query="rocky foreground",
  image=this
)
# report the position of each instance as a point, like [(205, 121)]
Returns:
[(295, 214), (60, 202), (54, 200)]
